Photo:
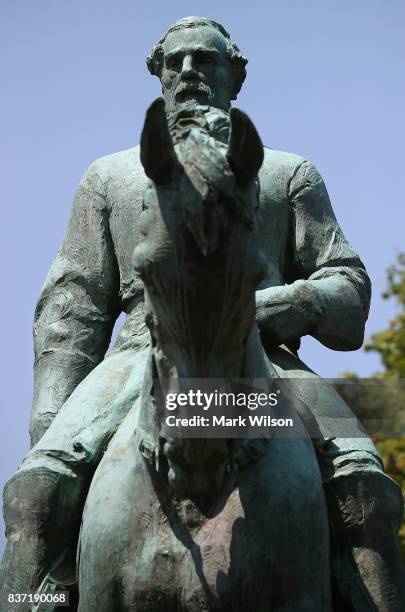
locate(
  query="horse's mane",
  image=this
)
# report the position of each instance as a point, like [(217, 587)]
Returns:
[(212, 121), (200, 135)]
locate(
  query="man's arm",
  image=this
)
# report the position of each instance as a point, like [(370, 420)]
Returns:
[(329, 298), (77, 307)]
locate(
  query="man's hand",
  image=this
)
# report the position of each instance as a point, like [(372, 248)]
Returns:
[(288, 312)]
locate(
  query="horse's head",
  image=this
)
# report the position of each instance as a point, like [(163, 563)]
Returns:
[(200, 260), (199, 256)]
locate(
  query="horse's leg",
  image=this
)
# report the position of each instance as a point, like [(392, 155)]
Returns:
[(96, 570), (280, 549), (118, 528)]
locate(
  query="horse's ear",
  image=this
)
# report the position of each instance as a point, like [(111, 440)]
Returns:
[(245, 149), (157, 151)]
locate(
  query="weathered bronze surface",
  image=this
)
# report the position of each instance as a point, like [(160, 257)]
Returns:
[(259, 540)]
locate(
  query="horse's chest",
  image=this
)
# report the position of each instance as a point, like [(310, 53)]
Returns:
[(186, 562)]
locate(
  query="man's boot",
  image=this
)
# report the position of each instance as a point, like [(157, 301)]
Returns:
[(365, 513), (42, 513)]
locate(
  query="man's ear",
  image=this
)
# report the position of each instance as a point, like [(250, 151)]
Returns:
[(245, 149), (157, 151)]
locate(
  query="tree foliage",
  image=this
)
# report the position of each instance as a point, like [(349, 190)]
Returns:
[(390, 343)]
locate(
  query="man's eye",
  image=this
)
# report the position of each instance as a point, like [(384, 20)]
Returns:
[(205, 58), (172, 62)]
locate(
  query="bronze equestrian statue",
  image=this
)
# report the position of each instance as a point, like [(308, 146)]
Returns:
[(314, 284), (196, 531)]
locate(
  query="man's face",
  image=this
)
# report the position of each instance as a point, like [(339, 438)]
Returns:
[(196, 68)]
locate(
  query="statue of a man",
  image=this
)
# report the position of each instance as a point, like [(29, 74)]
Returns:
[(316, 285)]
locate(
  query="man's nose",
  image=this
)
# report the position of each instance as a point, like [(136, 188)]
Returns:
[(188, 69)]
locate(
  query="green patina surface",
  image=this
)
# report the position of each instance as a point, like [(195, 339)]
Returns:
[(314, 284)]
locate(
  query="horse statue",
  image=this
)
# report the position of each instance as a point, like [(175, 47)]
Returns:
[(202, 524)]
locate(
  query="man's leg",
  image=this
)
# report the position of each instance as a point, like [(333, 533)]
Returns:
[(43, 501), (42, 513), (365, 506), (365, 509)]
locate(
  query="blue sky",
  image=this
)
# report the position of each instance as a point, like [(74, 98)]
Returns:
[(325, 80)]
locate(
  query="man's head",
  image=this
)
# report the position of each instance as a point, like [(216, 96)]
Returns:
[(197, 62)]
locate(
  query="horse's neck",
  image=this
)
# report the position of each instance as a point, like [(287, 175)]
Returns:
[(197, 454)]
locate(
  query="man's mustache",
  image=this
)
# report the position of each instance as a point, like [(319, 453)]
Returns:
[(191, 87)]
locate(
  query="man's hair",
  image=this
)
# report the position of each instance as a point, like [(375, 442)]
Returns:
[(237, 61)]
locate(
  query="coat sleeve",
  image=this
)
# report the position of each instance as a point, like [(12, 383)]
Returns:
[(77, 307), (336, 278)]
